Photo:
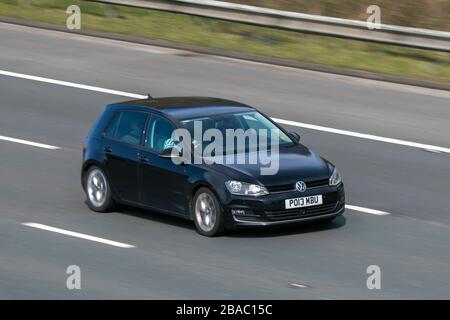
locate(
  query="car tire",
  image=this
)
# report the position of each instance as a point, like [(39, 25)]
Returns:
[(98, 190), (207, 213)]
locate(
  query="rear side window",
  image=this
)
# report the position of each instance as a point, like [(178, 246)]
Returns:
[(127, 126), (111, 130)]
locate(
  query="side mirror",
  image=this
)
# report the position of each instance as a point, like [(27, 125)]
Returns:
[(295, 136), (170, 153), (174, 154)]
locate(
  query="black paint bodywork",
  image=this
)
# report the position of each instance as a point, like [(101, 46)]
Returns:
[(141, 177)]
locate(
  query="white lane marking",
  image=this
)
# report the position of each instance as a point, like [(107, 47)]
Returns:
[(367, 210), (434, 151), (363, 136), (71, 84), (77, 235), (29, 143), (298, 285), (288, 122), (282, 121)]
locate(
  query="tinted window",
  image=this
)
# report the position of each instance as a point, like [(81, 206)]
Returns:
[(130, 127), (112, 126), (159, 134), (244, 120)]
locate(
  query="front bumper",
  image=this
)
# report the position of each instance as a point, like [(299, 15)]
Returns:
[(269, 210)]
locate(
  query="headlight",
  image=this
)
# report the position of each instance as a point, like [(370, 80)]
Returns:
[(335, 178), (245, 189)]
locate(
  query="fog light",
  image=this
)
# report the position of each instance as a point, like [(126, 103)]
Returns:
[(240, 212)]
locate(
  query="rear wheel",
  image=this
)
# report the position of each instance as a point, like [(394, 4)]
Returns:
[(98, 191), (207, 213)]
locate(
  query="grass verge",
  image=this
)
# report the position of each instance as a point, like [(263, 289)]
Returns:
[(429, 14), (152, 24)]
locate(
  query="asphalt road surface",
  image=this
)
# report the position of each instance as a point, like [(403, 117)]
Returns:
[(168, 259)]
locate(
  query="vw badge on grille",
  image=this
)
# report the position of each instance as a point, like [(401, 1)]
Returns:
[(300, 186)]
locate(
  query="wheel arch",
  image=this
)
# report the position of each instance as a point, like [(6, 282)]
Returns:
[(88, 164), (197, 186)]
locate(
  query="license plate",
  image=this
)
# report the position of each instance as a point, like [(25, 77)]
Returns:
[(303, 202)]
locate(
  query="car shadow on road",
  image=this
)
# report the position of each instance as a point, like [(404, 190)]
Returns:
[(240, 233), (155, 216), (287, 230)]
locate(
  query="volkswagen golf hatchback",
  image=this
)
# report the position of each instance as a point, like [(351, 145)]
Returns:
[(131, 156)]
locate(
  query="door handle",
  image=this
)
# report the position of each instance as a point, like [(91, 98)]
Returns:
[(142, 158), (107, 149)]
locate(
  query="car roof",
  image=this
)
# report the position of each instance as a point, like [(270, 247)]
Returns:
[(183, 108)]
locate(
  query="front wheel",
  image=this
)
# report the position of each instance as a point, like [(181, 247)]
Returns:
[(98, 191), (207, 213)]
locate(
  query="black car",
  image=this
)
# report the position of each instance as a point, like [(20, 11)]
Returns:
[(128, 158)]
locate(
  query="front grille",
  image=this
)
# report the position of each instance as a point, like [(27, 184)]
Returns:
[(281, 188), (317, 183), (291, 186), (278, 215)]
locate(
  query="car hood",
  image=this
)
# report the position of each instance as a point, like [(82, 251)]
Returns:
[(295, 163)]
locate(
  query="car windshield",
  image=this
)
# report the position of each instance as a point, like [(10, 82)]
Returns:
[(257, 130)]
